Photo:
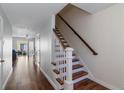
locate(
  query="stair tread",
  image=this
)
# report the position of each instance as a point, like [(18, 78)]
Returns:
[(53, 63), (79, 74), (82, 84), (57, 29), (82, 81), (63, 41), (61, 82), (61, 38), (73, 54), (77, 66), (56, 71), (59, 34), (75, 60), (88, 84), (65, 46)]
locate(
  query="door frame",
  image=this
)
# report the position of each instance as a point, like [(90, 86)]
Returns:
[(37, 52), (1, 56), (31, 53)]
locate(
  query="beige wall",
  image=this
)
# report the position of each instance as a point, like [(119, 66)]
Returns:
[(104, 31)]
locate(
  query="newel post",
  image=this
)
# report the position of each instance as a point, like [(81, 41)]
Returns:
[(68, 84)]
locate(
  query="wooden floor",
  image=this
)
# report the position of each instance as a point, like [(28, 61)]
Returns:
[(27, 76), (88, 84)]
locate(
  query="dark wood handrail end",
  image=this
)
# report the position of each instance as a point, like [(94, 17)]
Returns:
[(95, 53)]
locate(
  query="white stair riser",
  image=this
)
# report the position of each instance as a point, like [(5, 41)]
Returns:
[(63, 65), (75, 63), (74, 57)]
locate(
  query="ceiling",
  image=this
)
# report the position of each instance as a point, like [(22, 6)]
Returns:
[(30, 15), (35, 15), (93, 7)]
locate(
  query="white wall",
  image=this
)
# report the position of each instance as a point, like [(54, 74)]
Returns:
[(104, 31), (7, 48), (46, 47), (46, 50)]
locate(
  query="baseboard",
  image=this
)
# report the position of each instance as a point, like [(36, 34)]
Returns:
[(109, 86), (49, 79), (5, 82)]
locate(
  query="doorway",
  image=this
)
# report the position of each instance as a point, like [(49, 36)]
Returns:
[(20, 48), (23, 47)]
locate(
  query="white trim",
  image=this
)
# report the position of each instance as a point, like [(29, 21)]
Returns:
[(5, 82), (49, 79)]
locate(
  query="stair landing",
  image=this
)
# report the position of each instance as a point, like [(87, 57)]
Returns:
[(88, 84)]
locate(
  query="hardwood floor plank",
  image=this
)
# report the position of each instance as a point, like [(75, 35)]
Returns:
[(88, 84), (27, 76)]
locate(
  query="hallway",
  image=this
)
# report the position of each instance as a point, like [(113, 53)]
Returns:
[(27, 76)]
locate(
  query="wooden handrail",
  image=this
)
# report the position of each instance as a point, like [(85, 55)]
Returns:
[(87, 45)]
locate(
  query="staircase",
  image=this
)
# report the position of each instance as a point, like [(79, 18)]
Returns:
[(69, 72)]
